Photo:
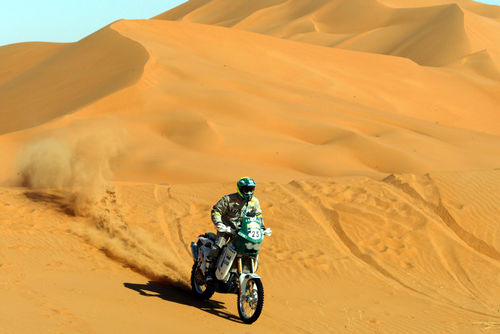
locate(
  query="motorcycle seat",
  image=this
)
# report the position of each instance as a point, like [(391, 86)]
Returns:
[(211, 236)]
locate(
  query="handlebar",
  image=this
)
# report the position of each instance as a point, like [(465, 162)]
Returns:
[(227, 229)]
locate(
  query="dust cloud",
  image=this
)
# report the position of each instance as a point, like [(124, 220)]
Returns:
[(78, 164)]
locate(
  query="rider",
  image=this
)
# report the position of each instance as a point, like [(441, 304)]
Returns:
[(228, 212)]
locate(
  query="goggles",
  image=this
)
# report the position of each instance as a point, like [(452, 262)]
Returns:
[(247, 189)]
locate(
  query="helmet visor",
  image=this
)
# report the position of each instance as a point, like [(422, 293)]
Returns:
[(247, 189)]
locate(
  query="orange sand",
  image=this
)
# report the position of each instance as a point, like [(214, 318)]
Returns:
[(371, 127)]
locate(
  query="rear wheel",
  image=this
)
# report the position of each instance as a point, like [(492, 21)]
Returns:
[(251, 303), (198, 284)]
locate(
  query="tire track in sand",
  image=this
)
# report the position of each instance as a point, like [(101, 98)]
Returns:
[(164, 226), (329, 221), (440, 209), (324, 212)]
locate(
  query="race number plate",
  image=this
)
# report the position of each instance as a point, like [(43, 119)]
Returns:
[(254, 231)]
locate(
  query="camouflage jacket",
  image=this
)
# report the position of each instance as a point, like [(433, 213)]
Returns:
[(230, 208)]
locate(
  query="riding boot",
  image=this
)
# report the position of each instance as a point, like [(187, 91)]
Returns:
[(211, 260), (213, 255)]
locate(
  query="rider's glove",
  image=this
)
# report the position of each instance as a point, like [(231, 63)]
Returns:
[(268, 231), (221, 227)]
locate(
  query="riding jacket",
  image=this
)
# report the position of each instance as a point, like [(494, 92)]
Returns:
[(230, 208)]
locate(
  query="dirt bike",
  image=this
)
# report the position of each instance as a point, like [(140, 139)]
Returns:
[(235, 267)]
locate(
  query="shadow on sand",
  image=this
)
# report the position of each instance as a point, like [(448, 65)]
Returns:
[(171, 294), (56, 201)]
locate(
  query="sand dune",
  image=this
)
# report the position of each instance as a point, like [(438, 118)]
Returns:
[(482, 9), (481, 63), (432, 33), (346, 111), (18, 58), (379, 176), (71, 77)]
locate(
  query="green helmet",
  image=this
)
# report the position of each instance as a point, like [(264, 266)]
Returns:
[(246, 186)]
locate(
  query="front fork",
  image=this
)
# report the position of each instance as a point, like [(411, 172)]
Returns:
[(245, 277)]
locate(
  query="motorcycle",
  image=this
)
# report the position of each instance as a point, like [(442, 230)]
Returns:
[(235, 267)]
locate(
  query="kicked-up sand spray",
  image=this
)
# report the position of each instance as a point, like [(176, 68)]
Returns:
[(78, 164)]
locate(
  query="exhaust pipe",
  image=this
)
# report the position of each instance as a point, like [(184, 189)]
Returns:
[(194, 250)]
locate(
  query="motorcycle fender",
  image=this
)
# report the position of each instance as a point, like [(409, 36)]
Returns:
[(244, 277)]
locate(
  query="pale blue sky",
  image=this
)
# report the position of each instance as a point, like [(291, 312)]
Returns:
[(71, 20), (490, 2)]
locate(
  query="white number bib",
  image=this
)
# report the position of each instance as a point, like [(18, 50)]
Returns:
[(254, 231)]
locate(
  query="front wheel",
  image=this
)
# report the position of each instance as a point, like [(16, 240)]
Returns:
[(251, 303), (198, 284)]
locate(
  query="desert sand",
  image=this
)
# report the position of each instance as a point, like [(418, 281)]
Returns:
[(371, 127)]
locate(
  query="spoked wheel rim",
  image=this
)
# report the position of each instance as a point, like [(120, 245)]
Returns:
[(199, 283), (251, 302)]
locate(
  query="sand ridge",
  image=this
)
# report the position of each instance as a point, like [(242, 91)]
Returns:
[(74, 76), (341, 112), (411, 29)]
